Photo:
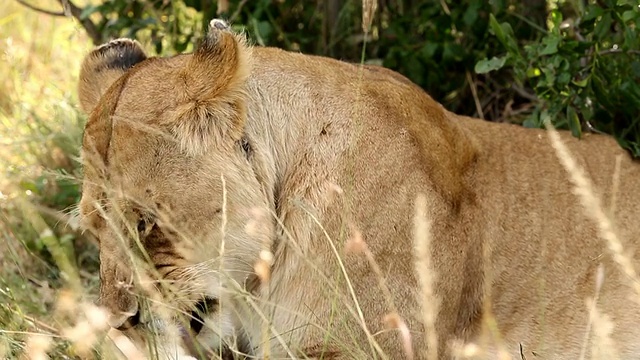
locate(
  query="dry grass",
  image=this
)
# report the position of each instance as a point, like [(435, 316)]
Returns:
[(594, 209), (39, 133), (602, 346), (426, 277)]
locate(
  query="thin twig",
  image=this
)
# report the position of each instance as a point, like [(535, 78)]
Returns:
[(445, 8), (70, 10), (40, 10), (522, 357), (529, 22), (237, 12), (87, 24), (591, 128), (52, 331), (522, 92), (223, 7), (474, 92), (618, 51)]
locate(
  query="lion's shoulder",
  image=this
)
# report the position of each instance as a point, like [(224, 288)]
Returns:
[(393, 103)]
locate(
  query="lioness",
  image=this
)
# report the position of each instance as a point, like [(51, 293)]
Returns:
[(275, 195)]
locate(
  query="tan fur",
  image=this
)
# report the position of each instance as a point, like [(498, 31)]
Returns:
[(337, 151)]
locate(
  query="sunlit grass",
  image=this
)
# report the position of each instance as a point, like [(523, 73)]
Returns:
[(40, 129), (40, 55)]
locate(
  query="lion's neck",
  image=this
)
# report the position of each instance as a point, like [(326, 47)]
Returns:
[(275, 128), (303, 149)]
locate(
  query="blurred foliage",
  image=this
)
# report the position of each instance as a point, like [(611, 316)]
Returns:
[(585, 69), (40, 132), (41, 249), (504, 60)]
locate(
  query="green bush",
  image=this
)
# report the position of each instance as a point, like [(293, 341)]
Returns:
[(585, 70), (503, 60), (433, 44)]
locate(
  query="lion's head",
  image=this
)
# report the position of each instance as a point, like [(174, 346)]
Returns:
[(168, 175)]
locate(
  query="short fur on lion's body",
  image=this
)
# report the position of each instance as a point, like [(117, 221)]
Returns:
[(509, 240)]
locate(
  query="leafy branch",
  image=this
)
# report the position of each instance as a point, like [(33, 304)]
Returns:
[(69, 9), (40, 10)]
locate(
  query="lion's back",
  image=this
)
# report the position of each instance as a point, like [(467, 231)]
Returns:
[(547, 247)]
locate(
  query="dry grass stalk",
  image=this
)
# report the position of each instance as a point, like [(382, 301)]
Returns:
[(92, 321), (356, 245), (592, 206), (223, 7), (394, 321), (37, 347), (223, 224), (369, 8), (591, 304), (615, 186), (426, 276), (460, 350), (258, 228), (602, 346), (125, 346), (360, 315), (263, 266)]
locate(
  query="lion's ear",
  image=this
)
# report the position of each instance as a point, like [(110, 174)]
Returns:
[(211, 90), (103, 66)]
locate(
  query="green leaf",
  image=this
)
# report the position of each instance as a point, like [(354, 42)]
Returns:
[(574, 122), (549, 77), (544, 117), (452, 52), (629, 15), (87, 11), (265, 29), (471, 14), (429, 50), (580, 83), (533, 120), (603, 26), (497, 6), (592, 12), (556, 18), (29, 186), (497, 29), (563, 78), (551, 45), (486, 65), (505, 35), (635, 67)]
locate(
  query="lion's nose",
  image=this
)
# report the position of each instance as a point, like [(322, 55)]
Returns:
[(122, 305), (125, 320)]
